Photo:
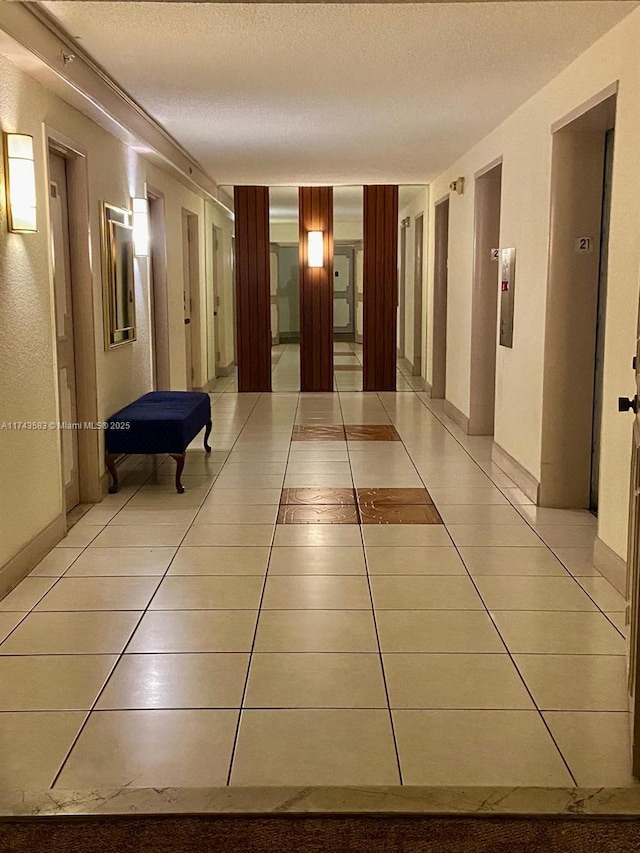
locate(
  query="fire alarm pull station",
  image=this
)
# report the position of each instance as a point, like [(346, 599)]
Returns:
[(507, 286)]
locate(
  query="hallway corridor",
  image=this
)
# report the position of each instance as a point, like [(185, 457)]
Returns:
[(196, 640)]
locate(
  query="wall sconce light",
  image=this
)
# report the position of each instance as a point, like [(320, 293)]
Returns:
[(406, 222), (457, 185), (21, 182), (315, 249), (140, 227)]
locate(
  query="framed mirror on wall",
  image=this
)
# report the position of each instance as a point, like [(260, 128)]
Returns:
[(117, 276)]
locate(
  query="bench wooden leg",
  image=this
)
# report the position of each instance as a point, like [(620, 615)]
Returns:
[(206, 437), (111, 468), (179, 457)]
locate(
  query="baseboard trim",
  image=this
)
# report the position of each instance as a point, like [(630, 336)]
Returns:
[(611, 565), (523, 479), (359, 339), (456, 415), (426, 387), (28, 557), (225, 371)]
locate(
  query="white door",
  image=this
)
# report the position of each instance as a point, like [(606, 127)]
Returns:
[(64, 325), (275, 319), (633, 570), (186, 292), (343, 291)]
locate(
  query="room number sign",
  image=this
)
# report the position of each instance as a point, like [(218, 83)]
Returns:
[(584, 245)]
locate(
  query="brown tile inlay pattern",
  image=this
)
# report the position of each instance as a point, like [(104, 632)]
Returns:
[(350, 432), (374, 506), (347, 367), (371, 432), (315, 497), (318, 433), (326, 514), (386, 497), (397, 514)]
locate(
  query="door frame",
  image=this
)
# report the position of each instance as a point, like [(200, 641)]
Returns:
[(440, 283), (158, 291), (484, 301), (90, 441), (191, 280), (402, 285), (418, 285), (347, 248)]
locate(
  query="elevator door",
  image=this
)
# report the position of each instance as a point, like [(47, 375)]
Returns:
[(65, 346)]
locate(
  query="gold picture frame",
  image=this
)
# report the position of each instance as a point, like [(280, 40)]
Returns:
[(118, 278)]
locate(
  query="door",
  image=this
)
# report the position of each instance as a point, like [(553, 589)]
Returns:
[(158, 291), (65, 346), (191, 294), (441, 263), (402, 285), (600, 322), (632, 614), (343, 293), (186, 293), (417, 295), (274, 305), (215, 266)]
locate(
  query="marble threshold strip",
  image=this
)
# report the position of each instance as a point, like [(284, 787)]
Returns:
[(406, 800)]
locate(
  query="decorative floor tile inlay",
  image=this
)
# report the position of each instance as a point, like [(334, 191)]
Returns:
[(373, 513), (315, 497), (318, 433), (393, 497), (347, 367), (327, 514), (371, 432)]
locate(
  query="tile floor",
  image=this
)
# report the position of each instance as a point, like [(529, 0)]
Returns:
[(193, 640)]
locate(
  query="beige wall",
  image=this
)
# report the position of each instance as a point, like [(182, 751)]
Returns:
[(524, 142), (31, 497)]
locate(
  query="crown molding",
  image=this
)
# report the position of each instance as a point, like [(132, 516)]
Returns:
[(90, 89)]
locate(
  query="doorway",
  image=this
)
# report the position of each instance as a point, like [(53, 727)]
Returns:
[(343, 294), (600, 321), (65, 336), (402, 286), (191, 299), (440, 270), (576, 289), (418, 251), (72, 293), (484, 301), (158, 291)]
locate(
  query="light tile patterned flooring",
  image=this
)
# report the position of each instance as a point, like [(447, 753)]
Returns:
[(188, 640)]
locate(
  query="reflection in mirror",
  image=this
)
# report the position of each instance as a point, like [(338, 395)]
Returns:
[(412, 275), (118, 276), (347, 287), (285, 287)]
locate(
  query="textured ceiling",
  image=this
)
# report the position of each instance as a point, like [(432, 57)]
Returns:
[(336, 93)]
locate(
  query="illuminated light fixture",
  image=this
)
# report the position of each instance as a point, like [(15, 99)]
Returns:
[(21, 182), (140, 227), (315, 249)]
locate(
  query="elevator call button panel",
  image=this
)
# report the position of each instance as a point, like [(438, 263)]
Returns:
[(507, 287)]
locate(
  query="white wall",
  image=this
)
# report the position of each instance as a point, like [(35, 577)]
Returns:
[(524, 142), (30, 462)]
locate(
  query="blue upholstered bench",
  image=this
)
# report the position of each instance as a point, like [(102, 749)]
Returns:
[(158, 422)]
